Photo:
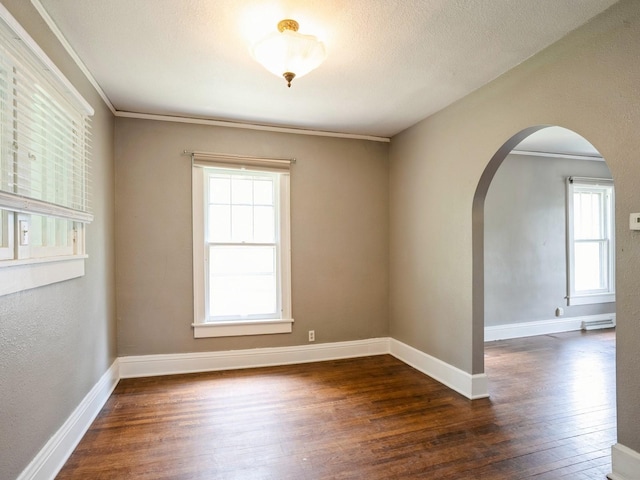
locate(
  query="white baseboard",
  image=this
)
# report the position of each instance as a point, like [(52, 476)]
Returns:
[(471, 386), (541, 327), (48, 462), (625, 463), (153, 365)]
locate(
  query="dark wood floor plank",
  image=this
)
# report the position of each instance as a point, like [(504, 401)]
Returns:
[(551, 415)]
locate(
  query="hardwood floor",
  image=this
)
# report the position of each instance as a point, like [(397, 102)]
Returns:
[(551, 415)]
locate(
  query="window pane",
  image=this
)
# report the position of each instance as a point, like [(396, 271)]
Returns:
[(241, 191), (37, 227), (62, 228), (241, 223), (250, 216), (588, 215), (220, 189), (242, 296), (241, 260), (264, 225), (49, 231), (590, 266), (219, 223), (242, 281), (263, 192)]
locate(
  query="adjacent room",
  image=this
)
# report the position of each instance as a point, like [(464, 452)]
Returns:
[(405, 246)]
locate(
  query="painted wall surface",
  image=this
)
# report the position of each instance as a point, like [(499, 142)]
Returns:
[(339, 235), (588, 82), (57, 341), (525, 252)]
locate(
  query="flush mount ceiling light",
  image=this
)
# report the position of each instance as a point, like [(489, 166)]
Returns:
[(289, 54)]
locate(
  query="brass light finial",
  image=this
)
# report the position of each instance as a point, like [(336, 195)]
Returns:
[(288, 76)]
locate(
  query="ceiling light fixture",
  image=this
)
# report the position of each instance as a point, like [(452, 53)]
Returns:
[(289, 54)]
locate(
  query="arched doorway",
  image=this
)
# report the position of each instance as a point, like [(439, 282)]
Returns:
[(484, 298)]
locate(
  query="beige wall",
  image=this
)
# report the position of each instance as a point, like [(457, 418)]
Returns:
[(588, 82), (57, 341), (339, 235)]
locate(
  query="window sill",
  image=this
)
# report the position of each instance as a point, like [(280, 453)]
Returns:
[(239, 328), (591, 299), (19, 275)]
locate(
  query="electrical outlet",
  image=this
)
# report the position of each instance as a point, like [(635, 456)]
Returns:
[(312, 335)]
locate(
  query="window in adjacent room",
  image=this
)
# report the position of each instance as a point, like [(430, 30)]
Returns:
[(241, 247), (44, 166), (590, 246)]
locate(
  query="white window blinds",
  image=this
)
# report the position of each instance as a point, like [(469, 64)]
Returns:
[(44, 132)]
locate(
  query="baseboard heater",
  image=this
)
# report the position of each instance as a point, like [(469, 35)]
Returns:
[(598, 324)]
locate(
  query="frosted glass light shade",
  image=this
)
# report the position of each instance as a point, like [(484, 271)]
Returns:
[(289, 52)]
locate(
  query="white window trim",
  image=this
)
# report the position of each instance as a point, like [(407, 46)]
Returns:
[(574, 298), (19, 275), (23, 274), (201, 329)]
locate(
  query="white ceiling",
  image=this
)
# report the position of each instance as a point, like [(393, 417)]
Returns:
[(390, 63)]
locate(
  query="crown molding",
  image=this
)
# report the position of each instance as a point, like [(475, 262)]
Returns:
[(570, 156), (248, 126)]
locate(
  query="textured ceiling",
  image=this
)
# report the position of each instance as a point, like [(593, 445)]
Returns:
[(390, 63)]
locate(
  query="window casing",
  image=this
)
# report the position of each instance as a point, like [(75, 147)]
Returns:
[(590, 241), (44, 166), (241, 249)]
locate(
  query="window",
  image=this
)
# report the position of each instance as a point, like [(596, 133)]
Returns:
[(44, 132), (241, 246), (590, 246)]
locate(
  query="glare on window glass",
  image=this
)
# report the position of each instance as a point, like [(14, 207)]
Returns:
[(242, 191), (242, 296), (219, 223), (242, 281), (589, 268), (242, 223), (587, 220), (227, 260), (263, 192), (220, 190), (264, 224)]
